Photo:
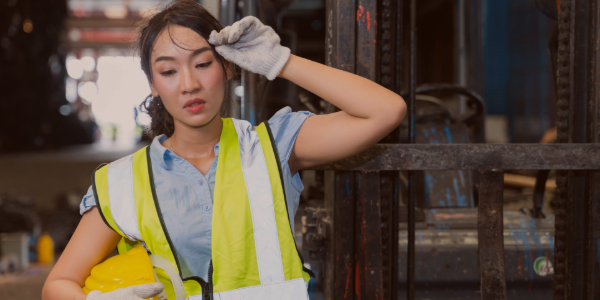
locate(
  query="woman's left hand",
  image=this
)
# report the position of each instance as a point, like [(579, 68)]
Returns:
[(251, 45)]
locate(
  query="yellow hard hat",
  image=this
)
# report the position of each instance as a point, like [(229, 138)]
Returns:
[(120, 271)]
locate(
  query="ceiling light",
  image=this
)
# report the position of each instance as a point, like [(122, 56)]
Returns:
[(116, 12), (74, 67)]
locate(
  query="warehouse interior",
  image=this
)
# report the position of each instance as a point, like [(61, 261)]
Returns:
[(502, 101)]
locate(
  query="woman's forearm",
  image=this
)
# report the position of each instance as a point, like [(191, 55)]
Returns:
[(91, 243), (353, 94), (62, 289)]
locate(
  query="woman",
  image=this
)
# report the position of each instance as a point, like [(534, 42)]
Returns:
[(214, 196)]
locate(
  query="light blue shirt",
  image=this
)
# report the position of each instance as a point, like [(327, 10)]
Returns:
[(185, 195)]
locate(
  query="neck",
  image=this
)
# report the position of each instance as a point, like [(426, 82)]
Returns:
[(195, 142)]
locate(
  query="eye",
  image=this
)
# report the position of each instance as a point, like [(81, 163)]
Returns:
[(203, 65), (167, 73)]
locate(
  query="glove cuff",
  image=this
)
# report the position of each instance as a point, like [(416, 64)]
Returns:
[(93, 295), (277, 60)]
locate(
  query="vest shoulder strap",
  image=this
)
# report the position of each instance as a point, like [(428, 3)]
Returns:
[(100, 189), (289, 249), (114, 186), (152, 226)]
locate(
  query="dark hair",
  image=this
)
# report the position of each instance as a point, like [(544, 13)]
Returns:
[(186, 13)]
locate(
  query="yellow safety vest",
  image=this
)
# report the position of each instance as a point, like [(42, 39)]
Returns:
[(254, 255)]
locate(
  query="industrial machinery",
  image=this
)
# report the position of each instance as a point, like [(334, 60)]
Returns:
[(397, 221), (446, 244), (376, 243)]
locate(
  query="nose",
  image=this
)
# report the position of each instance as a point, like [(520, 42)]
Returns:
[(189, 83)]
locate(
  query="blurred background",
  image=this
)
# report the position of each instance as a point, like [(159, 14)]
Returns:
[(70, 87)]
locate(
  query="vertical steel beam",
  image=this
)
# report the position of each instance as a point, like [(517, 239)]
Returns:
[(576, 245), (474, 45), (579, 133), (593, 204), (564, 77), (475, 70), (340, 37), (369, 262), (327, 281), (340, 202), (490, 232), (469, 52), (387, 45), (227, 12), (399, 39), (389, 54), (369, 266), (395, 236), (356, 43), (389, 38), (366, 39), (249, 79), (585, 185), (412, 197), (395, 268), (359, 243), (340, 53), (389, 202)]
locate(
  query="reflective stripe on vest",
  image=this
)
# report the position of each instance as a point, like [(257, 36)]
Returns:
[(253, 249)]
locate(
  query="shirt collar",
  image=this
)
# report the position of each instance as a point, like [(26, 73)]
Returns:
[(161, 154)]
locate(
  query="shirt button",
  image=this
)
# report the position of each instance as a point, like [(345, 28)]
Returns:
[(201, 181), (207, 207)]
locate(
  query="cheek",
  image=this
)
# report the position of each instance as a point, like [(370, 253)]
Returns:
[(214, 81), (168, 92), (164, 86)]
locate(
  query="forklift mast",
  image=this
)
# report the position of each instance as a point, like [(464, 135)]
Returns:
[(366, 231)]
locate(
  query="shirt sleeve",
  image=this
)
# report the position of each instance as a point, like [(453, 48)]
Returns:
[(285, 126), (87, 202)]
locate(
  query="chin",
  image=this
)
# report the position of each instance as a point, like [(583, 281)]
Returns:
[(199, 120)]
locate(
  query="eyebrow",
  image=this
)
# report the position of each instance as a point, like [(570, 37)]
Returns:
[(194, 53)]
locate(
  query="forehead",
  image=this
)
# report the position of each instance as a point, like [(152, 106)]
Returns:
[(177, 40)]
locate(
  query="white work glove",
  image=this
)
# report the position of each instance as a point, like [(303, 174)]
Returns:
[(251, 45), (136, 292)]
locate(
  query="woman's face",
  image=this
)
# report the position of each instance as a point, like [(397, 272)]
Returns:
[(187, 76)]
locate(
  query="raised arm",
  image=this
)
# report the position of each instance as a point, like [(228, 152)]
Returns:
[(368, 113)]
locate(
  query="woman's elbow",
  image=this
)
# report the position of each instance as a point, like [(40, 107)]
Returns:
[(46, 291), (401, 113), (396, 112)]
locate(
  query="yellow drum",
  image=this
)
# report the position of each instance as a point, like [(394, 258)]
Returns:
[(45, 249)]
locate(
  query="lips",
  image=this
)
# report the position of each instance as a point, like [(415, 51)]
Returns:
[(194, 105)]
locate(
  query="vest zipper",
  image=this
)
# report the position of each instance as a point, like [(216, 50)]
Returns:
[(207, 288), (210, 279)]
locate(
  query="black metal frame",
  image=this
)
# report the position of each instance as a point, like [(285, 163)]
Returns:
[(362, 212)]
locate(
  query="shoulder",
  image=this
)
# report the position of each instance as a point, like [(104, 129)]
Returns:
[(285, 126), (286, 119), (87, 202), (242, 127)]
